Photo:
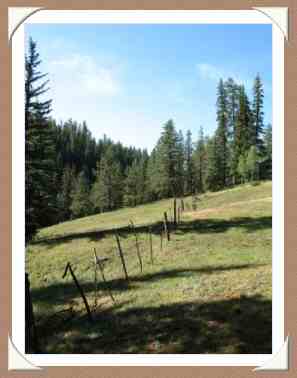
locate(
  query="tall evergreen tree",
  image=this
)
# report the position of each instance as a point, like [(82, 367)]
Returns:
[(242, 169), (268, 142), (232, 103), (200, 164), (221, 136), (181, 165), (242, 132), (232, 92), (131, 186), (168, 161), (258, 114), (80, 195), (34, 107), (189, 166), (252, 163), (40, 159), (266, 162), (212, 172), (151, 194), (64, 198), (134, 193), (107, 191)]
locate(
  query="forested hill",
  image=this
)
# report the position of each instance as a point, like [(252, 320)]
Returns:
[(69, 174)]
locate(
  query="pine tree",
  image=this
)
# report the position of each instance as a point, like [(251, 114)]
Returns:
[(34, 107), (257, 111), (169, 154), (212, 171), (265, 171), (232, 92), (134, 193), (181, 164), (152, 187), (107, 191), (242, 169), (189, 166), (252, 163), (221, 136), (268, 142), (232, 95), (64, 197), (80, 195), (242, 132), (233, 162), (142, 179), (200, 164), (40, 159)]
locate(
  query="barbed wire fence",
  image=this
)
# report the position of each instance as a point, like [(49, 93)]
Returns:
[(165, 227)]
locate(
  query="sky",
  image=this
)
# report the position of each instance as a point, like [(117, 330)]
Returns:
[(126, 81)]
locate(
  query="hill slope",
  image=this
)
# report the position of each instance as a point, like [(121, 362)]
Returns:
[(208, 290)]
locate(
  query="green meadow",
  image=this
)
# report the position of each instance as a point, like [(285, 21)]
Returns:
[(208, 290)]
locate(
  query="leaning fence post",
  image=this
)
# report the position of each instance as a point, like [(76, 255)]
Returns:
[(68, 267), (166, 228), (98, 262), (137, 246), (95, 280), (121, 256)]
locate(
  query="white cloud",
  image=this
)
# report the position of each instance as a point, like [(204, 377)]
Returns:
[(208, 71), (86, 74), (211, 72), (69, 62), (101, 83)]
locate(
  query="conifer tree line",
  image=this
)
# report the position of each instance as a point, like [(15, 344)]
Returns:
[(70, 174)]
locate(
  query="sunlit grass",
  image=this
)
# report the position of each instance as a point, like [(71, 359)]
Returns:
[(208, 291)]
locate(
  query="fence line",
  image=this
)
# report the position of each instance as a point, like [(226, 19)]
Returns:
[(165, 230)]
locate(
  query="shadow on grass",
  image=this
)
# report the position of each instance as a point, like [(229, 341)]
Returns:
[(239, 325), (96, 235), (203, 226), (64, 292), (222, 225)]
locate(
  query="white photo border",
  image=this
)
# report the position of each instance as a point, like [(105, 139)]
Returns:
[(18, 185)]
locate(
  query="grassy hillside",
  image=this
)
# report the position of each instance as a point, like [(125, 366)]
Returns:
[(208, 291)]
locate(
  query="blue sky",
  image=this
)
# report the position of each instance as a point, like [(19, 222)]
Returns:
[(126, 81)]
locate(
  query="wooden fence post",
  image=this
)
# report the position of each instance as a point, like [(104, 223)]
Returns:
[(182, 204), (31, 340), (122, 256), (137, 246), (68, 267), (151, 245), (95, 280), (174, 212), (161, 240), (166, 228), (98, 262)]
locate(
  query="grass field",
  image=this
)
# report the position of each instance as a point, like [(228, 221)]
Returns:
[(208, 291)]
